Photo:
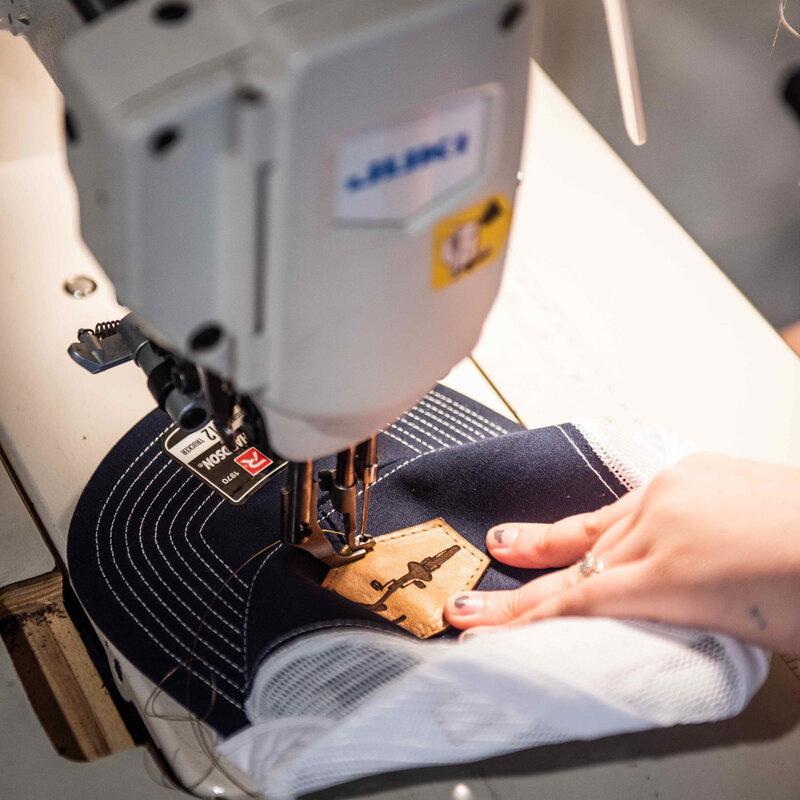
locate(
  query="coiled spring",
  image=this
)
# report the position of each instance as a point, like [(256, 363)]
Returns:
[(102, 330)]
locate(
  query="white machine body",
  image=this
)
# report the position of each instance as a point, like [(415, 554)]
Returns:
[(277, 173)]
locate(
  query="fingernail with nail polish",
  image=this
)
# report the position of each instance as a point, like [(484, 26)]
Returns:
[(504, 537), (468, 603)]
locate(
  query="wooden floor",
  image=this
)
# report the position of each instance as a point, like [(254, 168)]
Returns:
[(64, 687)]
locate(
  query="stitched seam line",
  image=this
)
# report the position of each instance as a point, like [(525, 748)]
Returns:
[(474, 418), (208, 566), (437, 413), (113, 591), (588, 463), (431, 436), (472, 414), (199, 578), (213, 552), (404, 443), (437, 428), (410, 436), (158, 597), (172, 569)]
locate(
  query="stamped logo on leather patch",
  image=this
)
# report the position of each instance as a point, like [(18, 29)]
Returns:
[(409, 575)]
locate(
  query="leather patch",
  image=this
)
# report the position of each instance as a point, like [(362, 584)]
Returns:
[(409, 575)]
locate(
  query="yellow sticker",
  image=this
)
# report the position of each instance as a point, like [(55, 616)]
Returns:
[(470, 239)]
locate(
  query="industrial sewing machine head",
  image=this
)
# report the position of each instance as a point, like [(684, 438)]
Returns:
[(306, 203)]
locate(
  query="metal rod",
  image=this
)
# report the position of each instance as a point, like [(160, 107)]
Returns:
[(620, 35), (344, 495), (367, 468), (296, 502), (346, 467)]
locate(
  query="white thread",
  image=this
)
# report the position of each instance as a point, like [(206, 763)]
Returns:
[(471, 414), (405, 464), (211, 513), (166, 561), (478, 418), (391, 472), (437, 414), (124, 606), (412, 436), (445, 419), (474, 419), (436, 439), (398, 439), (122, 577), (155, 594), (216, 594), (435, 428), (225, 581), (580, 453)]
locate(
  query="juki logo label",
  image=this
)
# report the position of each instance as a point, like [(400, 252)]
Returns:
[(414, 159), (254, 461)]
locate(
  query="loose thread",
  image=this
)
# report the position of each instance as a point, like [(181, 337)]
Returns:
[(204, 737), (783, 23), (200, 728)]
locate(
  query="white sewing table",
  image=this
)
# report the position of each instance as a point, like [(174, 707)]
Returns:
[(608, 310)]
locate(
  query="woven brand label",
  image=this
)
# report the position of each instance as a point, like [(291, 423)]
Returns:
[(234, 475), (410, 574)]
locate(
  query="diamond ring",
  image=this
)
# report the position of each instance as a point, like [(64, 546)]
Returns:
[(589, 565)]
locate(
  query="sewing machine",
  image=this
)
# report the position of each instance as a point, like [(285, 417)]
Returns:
[(306, 205), (569, 335)]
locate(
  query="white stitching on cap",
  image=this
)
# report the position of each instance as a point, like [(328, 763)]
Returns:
[(580, 453), (424, 432), (437, 413), (225, 581), (412, 436), (149, 585), (137, 596), (472, 414), (427, 440), (398, 439), (416, 458), (167, 561), (391, 472), (433, 443), (217, 595), (211, 513), (437, 428), (123, 605)]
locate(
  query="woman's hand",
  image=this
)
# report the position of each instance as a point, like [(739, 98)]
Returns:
[(713, 543)]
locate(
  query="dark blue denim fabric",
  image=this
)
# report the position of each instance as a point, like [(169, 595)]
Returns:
[(156, 557)]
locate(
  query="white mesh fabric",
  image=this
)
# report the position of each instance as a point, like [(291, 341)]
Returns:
[(343, 677), (341, 704), (634, 460), (556, 681)]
